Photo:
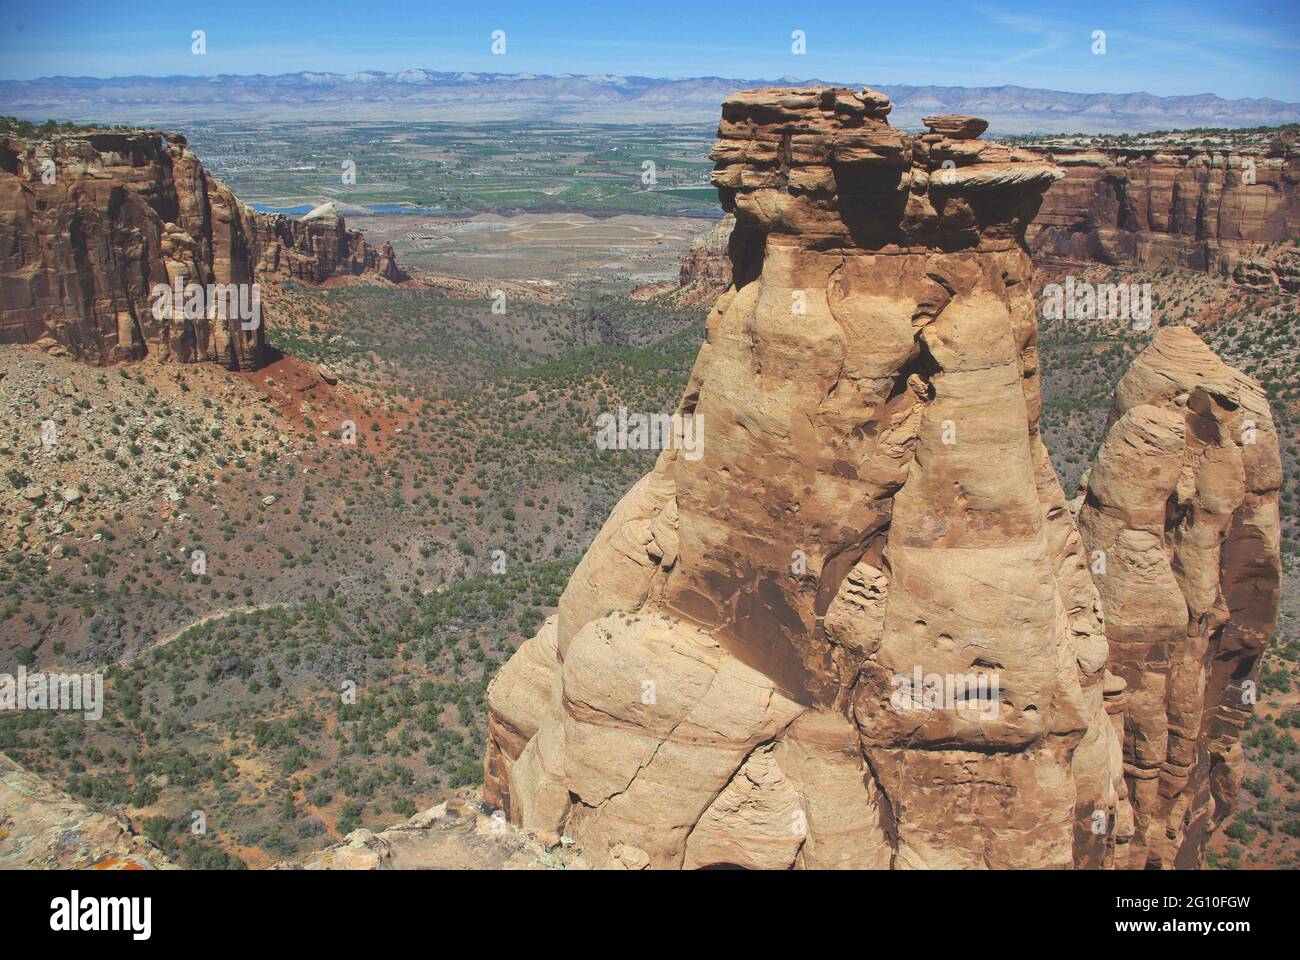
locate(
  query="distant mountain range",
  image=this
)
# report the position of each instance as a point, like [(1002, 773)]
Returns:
[(603, 98)]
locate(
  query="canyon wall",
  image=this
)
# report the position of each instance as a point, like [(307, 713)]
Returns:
[(90, 222), (1176, 206), (706, 267), (860, 628), (1197, 208)]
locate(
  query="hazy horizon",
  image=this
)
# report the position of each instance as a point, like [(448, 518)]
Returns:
[(786, 79), (1243, 50)]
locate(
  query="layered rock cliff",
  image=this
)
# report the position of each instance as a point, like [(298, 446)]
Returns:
[(1232, 211), (706, 268), (91, 222), (860, 629), (1170, 205)]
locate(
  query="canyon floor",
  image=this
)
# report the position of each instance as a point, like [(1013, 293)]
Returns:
[(324, 562), (386, 510)]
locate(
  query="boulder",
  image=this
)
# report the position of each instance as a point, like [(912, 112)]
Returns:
[(956, 126)]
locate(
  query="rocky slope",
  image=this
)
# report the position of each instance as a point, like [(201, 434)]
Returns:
[(43, 828), (860, 630), (91, 221), (1217, 209), (457, 834)]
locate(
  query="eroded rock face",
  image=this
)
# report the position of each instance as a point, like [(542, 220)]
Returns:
[(706, 268), (91, 222), (1181, 523), (1212, 210), (720, 685), (1222, 211), (859, 629)]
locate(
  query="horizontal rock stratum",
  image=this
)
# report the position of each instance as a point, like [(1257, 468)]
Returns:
[(1232, 211), (861, 629), (92, 221)]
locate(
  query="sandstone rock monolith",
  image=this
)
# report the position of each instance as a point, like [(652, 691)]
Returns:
[(729, 680), (1180, 520), (858, 628)]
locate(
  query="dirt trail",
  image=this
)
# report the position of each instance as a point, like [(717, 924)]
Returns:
[(211, 615)]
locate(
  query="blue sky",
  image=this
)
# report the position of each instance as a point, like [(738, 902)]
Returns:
[(1234, 48)]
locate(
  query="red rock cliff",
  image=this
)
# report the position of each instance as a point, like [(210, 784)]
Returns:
[(90, 222), (1175, 206)]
